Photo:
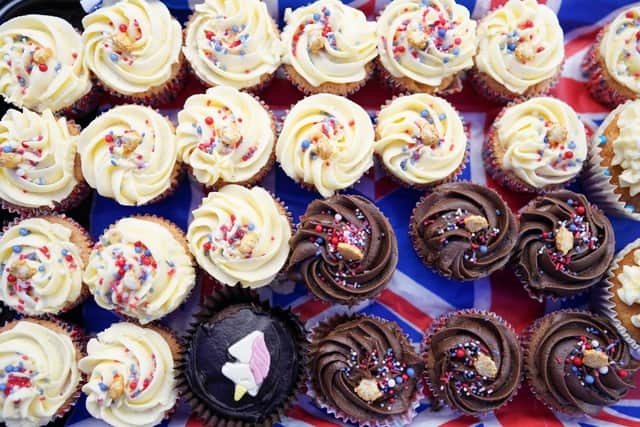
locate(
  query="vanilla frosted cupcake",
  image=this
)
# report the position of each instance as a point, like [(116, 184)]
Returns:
[(134, 49), (131, 375), (611, 63), (39, 377), (140, 268), (40, 168), (240, 235), (536, 145), (520, 51), (42, 64), (226, 136), (42, 259), (326, 142), (130, 154), (233, 42), (329, 47), (426, 46), (421, 140)]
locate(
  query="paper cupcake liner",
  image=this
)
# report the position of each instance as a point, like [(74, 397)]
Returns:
[(603, 305), (454, 176), (488, 88), (321, 330), (406, 84), (413, 236), (79, 342), (596, 178), (507, 179), (344, 89), (439, 323), (219, 300), (85, 105), (79, 237)]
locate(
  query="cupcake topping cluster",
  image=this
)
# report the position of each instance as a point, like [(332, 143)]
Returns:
[(326, 133), (222, 135), (15, 377), (425, 137), (471, 369), (25, 157), (589, 359), (233, 240), (573, 234), (27, 267), (127, 384), (556, 139), (320, 34), (122, 148), (521, 42), (630, 25), (232, 40), (382, 376), (120, 42)]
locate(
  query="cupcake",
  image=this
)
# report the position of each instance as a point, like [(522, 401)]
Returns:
[(577, 363), (141, 268), (243, 363), (326, 143), (130, 154), (610, 65), (474, 361), (240, 235), (42, 65), (42, 260), (426, 46), (364, 370), (421, 140), (131, 375), (565, 245), (535, 146), (344, 250), (520, 51), (134, 49), (329, 47), (226, 136), (233, 43), (39, 378), (39, 164), (621, 294), (612, 174), (463, 231)]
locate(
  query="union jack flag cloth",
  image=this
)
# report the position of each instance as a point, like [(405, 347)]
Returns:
[(415, 295)]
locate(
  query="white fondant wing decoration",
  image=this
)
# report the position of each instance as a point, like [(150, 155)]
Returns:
[(252, 365)]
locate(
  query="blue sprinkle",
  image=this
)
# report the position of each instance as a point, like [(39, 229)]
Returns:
[(103, 387), (424, 114), (17, 249), (147, 252), (399, 380), (3, 387), (218, 47), (511, 47), (305, 144), (242, 53), (589, 379), (574, 369), (426, 2), (572, 145), (442, 32), (138, 249), (456, 51), (316, 16), (570, 202), (327, 12), (606, 172), (41, 268), (411, 372), (442, 116), (446, 60), (113, 162), (572, 227), (250, 227), (114, 57), (24, 232), (65, 252), (630, 208), (603, 139), (235, 29), (7, 149), (483, 249)]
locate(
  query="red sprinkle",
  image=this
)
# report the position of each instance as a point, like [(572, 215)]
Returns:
[(108, 138), (580, 210), (43, 67), (577, 361), (460, 353), (123, 28), (208, 120), (623, 373)]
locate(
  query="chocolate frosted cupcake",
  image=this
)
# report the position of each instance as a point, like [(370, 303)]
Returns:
[(577, 363), (344, 250), (364, 370), (244, 361), (474, 361), (565, 245), (463, 231)]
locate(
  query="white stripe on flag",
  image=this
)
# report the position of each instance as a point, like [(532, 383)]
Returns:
[(476, 123), (573, 66), (482, 294), (554, 5), (481, 8), (293, 422), (419, 296)]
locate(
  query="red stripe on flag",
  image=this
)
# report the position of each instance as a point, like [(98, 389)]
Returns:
[(193, 422), (300, 414), (524, 409), (404, 308), (579, 43), (310, 309), (508, 293), (605, 416), (463, 421), (578, 95)]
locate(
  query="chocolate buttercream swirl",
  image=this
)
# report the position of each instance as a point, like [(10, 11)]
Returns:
[(463, 230), (364, 367), (474, 361), (565, 245), (344, 250), (578, 363)]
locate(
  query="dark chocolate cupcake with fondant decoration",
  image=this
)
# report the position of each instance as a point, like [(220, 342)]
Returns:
[(577, 363), (474, 361), (463, 231), (243, 362), (344, 250), (364, 370), (565, 246)]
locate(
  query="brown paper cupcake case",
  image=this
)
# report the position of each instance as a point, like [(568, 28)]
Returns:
[(601, 298), (321, 330), (454, 176), (219, 300), (439, 323)]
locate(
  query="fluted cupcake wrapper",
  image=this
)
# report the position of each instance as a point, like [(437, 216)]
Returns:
[(596, 180), (405, 84), (220, 299), (321, 330), (603, 305), (454, 176), (344, 89), (440, 322)]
